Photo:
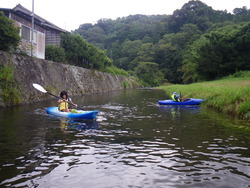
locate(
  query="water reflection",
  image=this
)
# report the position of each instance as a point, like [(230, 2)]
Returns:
[(79, 125), (176, 111)]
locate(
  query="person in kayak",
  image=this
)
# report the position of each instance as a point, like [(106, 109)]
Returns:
[(63, 104), (176, 97)]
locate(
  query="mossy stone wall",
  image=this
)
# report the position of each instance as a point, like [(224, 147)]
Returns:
[(56, 77)]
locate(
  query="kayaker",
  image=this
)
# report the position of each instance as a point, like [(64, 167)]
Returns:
[(176, 97), (63, 104)]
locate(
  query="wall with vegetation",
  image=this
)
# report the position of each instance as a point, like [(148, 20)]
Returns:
[(17, 73)]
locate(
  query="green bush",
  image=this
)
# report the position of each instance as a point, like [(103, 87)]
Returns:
[(116, 71), (9, 92), (124, 84), (81, 53), (55, 53), (9, 34), (149, 73)]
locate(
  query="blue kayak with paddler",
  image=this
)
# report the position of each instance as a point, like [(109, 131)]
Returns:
[(76, 114), (176, 100), (63, 109)]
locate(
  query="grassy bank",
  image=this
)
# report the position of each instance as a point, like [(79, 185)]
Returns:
[(229, 95)]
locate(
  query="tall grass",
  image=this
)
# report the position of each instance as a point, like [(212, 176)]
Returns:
[(8, 89), (229, 95)]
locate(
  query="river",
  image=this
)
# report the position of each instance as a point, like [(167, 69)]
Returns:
[(133, 143)]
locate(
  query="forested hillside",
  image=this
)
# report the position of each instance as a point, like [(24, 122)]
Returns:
[(195, 43)]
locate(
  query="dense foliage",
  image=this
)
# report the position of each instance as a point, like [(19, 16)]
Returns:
[(219, 53), (9, 34), (80, 52), (149, 73), (55, 53), (77, 51), (194, 43)]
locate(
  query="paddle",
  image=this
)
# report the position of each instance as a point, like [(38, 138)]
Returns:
[(40, 88)]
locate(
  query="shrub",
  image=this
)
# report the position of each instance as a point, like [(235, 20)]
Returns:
[(9, 34), (149, 73), (9, 92), (55, 53), (116, 71)]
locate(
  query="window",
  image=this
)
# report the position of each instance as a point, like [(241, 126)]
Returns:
[(25, 33)]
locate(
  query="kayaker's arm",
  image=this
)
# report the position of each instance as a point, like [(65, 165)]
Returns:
[(71, 102)]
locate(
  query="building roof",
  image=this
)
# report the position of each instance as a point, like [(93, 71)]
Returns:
[(19, 9)]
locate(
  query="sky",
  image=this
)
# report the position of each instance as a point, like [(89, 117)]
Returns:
[(70, 14)]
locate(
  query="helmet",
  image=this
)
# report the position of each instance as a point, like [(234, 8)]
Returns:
[(174, 93)]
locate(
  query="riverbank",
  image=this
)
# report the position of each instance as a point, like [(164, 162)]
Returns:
[(18, 73), (229, 95)]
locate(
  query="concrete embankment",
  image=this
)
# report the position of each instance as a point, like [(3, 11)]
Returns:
[(54, 77)]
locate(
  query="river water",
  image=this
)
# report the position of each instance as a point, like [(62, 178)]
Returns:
[(132, 143)]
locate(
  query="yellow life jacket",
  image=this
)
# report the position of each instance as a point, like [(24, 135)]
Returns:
[(175, 98), (63, 105)]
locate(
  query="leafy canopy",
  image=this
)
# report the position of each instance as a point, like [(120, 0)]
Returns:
[(55, 53), (81, 53), (9, 34), (194, 43)]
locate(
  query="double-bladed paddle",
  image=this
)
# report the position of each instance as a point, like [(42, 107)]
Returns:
[(40, 88)]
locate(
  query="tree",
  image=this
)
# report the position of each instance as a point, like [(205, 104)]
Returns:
[(198, 13), (55, 53), (242, 14), (81, 53), (242, 46), (217, 54), (194, 43), (9, 34), (75, 48), (149, 73), (97, 58), (169, 58), (129, 54), (96, 35), (111, 35)]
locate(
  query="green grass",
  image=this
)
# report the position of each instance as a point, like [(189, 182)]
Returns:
[(124, 84), (229, 95), (8, 89), (116, 71)]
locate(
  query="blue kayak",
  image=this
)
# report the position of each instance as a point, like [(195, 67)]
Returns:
[(190, 101), (80, 115)]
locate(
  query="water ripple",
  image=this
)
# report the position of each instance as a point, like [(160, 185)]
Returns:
[(134, 146)]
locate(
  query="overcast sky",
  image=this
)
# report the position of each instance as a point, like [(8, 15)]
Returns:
[(69, 14)]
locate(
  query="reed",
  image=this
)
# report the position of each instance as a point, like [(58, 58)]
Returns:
[(229, 95)]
